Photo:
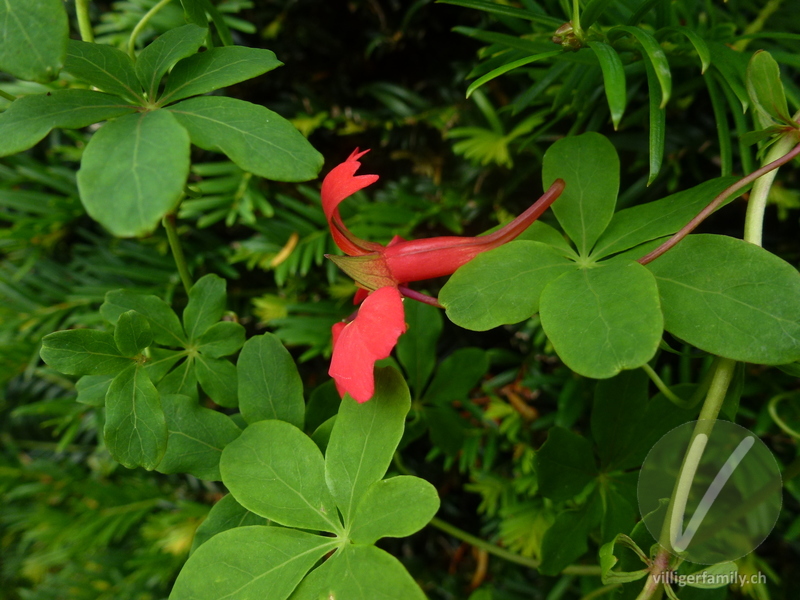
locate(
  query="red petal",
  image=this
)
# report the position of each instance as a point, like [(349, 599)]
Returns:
[(361, 295), (339, 184), (369, 337)]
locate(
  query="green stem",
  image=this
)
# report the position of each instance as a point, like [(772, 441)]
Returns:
[(663, 387), (142, 24), (754, 220), (532, 563), (7, 96), (773, 412), (723, 374), (576, 19), (177, 252), (84, 24)]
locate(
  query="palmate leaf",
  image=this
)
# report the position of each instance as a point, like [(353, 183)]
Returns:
[(277, 472)]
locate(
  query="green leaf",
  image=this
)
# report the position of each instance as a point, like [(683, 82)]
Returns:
[(248, 563), (765, 89), (206, 305), (732, 66), (714, 576), (731, 298), (155, 60), (395, 507), (502, 286), (416, 349), (564, 465), (181, 380), (83, 352), (625, 425), (255, 138), (618, 512), (566, 539), (133, 172), (92, 389), (700, 46), (194, 12), (215, 69), (135, 430), (494, 73), (619, 402), (589, 166), (457, 375), (132, 333), (28, 119), (657, 124), (276, 471), (613, 79), (224, 515), (269, 384), (164, 323), (723, 129), (33, 39), (633, 226), (322, 405), (221, 339), (105, 67), (603, 320), (219, 21), (160, 361), (654, 55), (608, 561), (364, 439), (217, 377), (542, 232), (197, 436), (359, 573)]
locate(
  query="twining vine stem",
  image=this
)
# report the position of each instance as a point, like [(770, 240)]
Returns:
[(177, 252), (715, 203)]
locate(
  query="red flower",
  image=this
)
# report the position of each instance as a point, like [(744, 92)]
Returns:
[(384, 271)]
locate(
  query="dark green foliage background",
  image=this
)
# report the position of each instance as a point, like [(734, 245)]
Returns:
[(391, 76)]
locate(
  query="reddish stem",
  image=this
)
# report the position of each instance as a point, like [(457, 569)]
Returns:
[(714, 204), (419, 296)]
